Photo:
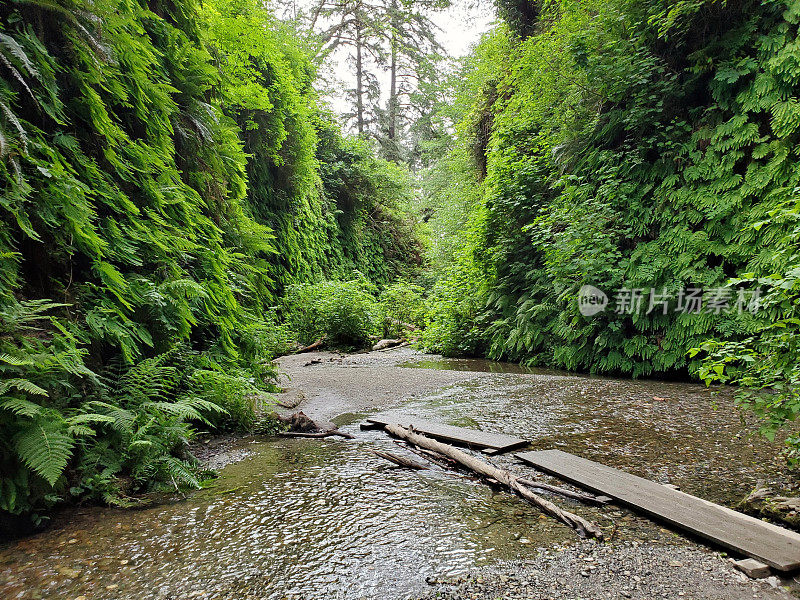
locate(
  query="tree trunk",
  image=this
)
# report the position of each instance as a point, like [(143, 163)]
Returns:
[(505, 478), (392, 134), (359, 78)]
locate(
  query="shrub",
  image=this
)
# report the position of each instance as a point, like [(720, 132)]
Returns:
[(765, 364), (345, 312), (403, 308)]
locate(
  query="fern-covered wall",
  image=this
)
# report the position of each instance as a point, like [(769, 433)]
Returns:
[(636, 144), (164, 174)]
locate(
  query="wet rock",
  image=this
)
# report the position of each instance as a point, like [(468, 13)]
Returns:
[(752, 568), (68, 572)]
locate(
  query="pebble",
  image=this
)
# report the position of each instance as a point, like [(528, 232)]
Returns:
[(645, 571)]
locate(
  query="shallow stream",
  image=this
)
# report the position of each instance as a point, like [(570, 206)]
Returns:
[(325, 519)]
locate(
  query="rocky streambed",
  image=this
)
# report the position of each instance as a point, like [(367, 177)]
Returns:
[(325, 519)]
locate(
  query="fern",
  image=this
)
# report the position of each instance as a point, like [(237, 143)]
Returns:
[(45, 448), (176, 197), (21, 407), (22, 385), (186, 408)]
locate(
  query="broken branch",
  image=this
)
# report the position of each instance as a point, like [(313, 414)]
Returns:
[(320, 434), (600, 500), (505, 478), (400, 460), (313, 346)]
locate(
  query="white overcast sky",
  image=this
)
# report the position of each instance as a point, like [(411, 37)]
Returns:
[(460, 27), (463, 24)]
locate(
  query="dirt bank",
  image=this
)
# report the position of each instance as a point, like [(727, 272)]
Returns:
[(331, 384)]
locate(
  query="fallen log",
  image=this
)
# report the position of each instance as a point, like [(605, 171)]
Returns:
[(400, 460), (318, 434), (387, 343), (313, 346), (589, 498), (401, 345), (300, 425), (505, 478)]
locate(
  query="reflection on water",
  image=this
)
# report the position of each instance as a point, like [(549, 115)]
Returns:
[(328, 519), (296, 519), (478, 365)]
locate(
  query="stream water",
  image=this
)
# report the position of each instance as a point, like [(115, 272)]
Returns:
[(324, 519)]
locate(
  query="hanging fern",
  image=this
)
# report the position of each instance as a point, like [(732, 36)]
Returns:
[(45, 447), (155, 201), (632, 146)]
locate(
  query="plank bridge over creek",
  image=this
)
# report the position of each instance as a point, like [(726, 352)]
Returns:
[(773, 545)]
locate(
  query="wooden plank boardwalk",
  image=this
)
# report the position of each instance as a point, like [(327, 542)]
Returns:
[(473, 438), (773, 545)]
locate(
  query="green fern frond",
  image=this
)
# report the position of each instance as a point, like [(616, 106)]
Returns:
[(181, 473), (12, 118), (90, 418), (187, 410), (19, 53), (22, 385), (17, 361), (80, 431), (21, 407), (45, 448), (122, 419)]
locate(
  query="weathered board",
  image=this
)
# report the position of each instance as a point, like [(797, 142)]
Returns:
[(773, 545), (458, 435)]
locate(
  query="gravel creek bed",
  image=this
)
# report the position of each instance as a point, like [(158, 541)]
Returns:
[(308, 519)]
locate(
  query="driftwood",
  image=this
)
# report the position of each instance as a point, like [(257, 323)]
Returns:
[(766, 502), (313, 346), (435, 457), (402, 345), (429, 455), (505, 478), (318, 434), (300, 425), (299, 422), (399, 460), (589, 498), (387, 343)]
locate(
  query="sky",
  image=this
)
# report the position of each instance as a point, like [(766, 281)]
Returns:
[(460, 27), (463, 24)]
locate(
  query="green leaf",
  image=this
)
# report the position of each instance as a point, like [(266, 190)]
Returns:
[(45, 448), (23, 385), (21, 407)]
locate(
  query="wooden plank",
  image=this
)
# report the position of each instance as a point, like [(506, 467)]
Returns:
[(773, 545), (497, 442)]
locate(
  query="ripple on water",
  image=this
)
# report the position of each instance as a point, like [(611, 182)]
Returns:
[(302, 519), (327, 519)]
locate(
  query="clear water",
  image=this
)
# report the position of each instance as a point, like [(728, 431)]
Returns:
[(325, 519)]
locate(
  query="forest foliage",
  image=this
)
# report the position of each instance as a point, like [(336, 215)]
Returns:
[(178, 208), (628, 145), (623, 144), (167, 173)]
